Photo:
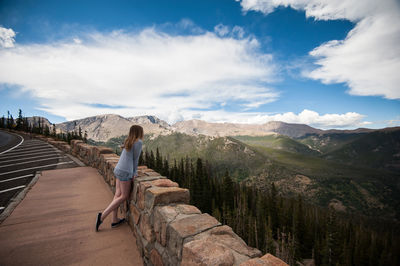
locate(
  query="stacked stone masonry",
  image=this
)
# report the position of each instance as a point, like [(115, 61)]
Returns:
[(168, 230)]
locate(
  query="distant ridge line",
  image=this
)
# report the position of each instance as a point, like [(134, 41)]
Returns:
[(106, 126)]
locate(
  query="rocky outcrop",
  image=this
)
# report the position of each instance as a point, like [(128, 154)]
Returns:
[(36, 120), (168, 230)]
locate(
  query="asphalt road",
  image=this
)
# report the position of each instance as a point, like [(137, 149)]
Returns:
[(8, 140), (21, 158)]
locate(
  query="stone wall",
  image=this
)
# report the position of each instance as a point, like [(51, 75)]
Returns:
[(168, 230)]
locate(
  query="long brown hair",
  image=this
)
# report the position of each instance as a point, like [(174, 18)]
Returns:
[(135, 133)]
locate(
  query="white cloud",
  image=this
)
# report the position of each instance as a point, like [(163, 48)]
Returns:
[(368, 59), (221, 30), (312, 118), (7, 37), (149, 72), (77, 41), (236, 32)]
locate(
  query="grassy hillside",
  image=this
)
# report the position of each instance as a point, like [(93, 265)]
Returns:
[(370, 190), (223, 153), (328, 142), (278, 142), (379, 149)]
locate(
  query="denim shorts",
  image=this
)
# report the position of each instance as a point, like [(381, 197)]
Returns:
[(122, 175)]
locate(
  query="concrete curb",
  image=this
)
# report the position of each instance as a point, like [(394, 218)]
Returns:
[(18, 198), (76, 160)]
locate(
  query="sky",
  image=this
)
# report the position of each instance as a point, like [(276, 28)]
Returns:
[(325, 63)]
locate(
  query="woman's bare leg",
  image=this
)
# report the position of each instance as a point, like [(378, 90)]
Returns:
[(125, 187), (117, 194)]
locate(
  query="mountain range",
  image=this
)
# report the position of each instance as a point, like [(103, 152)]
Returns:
[(105, 127)]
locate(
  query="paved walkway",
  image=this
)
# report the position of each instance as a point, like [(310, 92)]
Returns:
[(54, 224)]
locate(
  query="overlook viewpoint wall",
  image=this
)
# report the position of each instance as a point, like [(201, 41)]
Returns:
[(168, 230)]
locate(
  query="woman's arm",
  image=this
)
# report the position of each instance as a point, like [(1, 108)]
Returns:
[(137, 149)]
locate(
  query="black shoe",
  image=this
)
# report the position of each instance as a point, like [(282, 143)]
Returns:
[(98, 221), (121, 221)]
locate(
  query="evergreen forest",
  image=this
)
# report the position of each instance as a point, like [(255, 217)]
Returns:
[(286, 227)]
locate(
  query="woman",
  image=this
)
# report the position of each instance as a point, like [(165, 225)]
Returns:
[(124, 172)]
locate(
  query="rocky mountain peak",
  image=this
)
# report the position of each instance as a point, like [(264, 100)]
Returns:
[(148, 119), (104, 127)]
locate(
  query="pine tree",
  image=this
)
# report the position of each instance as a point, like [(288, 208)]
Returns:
[(151, 163), (46, 130), (332, 243), (69, 137), (80, 133), (196, 188), (147, 158), (273, 208), (11, 122), (269, 241), (8, 120), (54, 133), (40, 127), (261, 221), (3, 122), (158, 161), (299, 230), (174, 172), (188, 172), (20, 120), (227, 191), (181, 176), (165, 171)]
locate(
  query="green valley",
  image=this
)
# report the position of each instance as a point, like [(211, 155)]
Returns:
[(294, 166)]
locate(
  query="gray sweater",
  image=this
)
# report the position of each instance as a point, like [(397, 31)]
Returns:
[(128, 162)]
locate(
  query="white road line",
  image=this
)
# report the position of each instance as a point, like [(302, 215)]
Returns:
[(22, 140), (31, 146), (32, 149), (2, 208), (20, 153), (10, 189), (15, 178), (43, 152), (35, 157), (31, 142), (54, 158), (43, 166)]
